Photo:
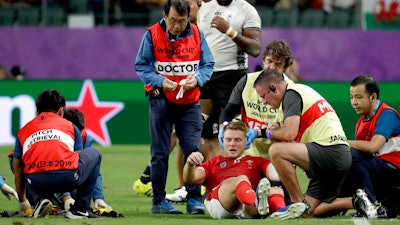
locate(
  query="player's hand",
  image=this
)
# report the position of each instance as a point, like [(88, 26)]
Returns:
[(9, 191), (220, 24), (221, 137), (194, 159), (25, 209), (251, 134)]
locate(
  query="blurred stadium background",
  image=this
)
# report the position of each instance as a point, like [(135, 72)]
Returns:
[(313, 14)]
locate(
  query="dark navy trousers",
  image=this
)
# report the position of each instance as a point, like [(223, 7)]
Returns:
[(80, 181), (188, 126), (373, 174)]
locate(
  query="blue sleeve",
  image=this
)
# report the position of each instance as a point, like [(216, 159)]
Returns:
[(88, 143), (388, 124), (144, 64), (2, 181), (78, 139), (206, 64), (17, 150), (98, 192)]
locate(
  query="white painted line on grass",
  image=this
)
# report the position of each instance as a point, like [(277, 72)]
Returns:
[(361, 221)]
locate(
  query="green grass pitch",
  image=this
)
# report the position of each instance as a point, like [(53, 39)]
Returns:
[(121, 166)]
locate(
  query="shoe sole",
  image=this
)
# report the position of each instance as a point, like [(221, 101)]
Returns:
[(161, 210), (174, 199), (295, 210), (43, 209), (196, 212), (69, 215), (89, 215), (263, 190), (367, 210), (360, 206)]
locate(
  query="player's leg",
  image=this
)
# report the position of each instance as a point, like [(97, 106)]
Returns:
[(209, 141), (180, 193), (188, 128)]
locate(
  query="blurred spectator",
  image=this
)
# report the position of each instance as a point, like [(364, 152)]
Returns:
[(59, 3), (315, 4), (135, 8), (284, 4), (26, 3), (98, 8), (328, 5), (269, 3), (3, 73), (293, 71), (5, 3), (194, 8), (18, 73)]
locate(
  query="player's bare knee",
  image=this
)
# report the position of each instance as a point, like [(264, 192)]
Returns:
[(276, 190), (241, 178)]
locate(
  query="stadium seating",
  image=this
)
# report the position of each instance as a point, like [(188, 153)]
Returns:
[(7, 16), (312, 18), (28, 16), (339, 19), (266, 15), (135, 19), (56, 16), (285, 18), (270, 17), (78, 6)]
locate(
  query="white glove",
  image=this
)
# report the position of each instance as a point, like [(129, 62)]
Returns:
[(181, 90), (25, 209), (100, 203), (68, 203), (7, 191)]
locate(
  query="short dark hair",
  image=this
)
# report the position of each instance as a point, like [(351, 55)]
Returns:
[(49, 101), (279, 49), (182, 7), (371, 86), (17, 70), (268, 76), (75, 116)]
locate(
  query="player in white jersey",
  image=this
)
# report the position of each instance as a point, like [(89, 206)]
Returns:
[(232, 29)]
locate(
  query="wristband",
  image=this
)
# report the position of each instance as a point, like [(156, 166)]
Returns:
[(263, 134), (268, 134), (228, 32), (234, 35)]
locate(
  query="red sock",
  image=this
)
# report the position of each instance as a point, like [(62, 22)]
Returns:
[(245, 193), (275, 202)]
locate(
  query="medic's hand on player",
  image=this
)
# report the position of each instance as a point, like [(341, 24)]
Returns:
[(251, 134), (221, 137)]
